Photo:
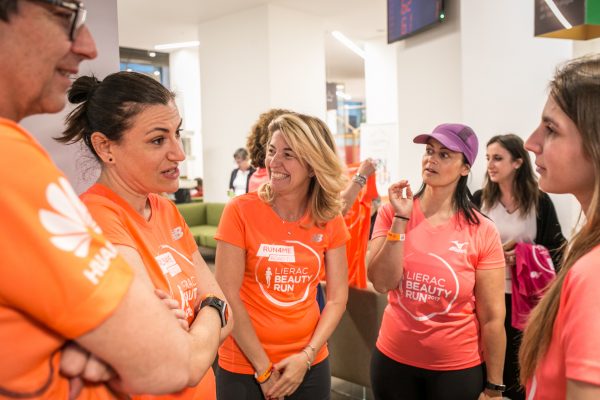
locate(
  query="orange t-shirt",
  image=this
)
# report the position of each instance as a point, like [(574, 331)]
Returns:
[(358, 221), (283, 264), (573, 352), (430, 320), (60, 277), (166, 247)]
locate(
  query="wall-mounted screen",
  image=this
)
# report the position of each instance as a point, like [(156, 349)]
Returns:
[(407, 17)]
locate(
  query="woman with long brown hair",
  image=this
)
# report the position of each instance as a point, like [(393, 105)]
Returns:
[(523, 214), (559, 356)]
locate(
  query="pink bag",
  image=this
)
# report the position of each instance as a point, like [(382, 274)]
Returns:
[(531, 275)]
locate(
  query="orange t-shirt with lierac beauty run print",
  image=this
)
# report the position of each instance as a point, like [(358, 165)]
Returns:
[(430, 319), (60, 278), (283, 263), (166, 247)]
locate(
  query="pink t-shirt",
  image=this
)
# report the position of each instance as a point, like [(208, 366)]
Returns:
[(430, 319), (574, 352), (259, 177)]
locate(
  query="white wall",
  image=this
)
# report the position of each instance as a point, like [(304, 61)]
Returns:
[(185, 82), (429, 88), (481, 66), (296, 61), (252, 61), (80, 168), (505, 75), (505, 71), (234, 68), (582, 47), (381, 81)]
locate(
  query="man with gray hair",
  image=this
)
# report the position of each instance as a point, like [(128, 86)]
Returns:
[(61, 280)]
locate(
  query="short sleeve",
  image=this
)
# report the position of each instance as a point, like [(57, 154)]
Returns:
[(110, 221), (579, 309), (232, 228), (338, 232), (383, 221), (56, 267), (491, 255)]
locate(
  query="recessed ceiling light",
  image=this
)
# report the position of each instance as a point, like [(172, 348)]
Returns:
[(178, 45), (348, 43)]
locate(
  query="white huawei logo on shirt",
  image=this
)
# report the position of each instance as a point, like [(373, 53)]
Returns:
[(70, 222), (72, 227), (458, 247)]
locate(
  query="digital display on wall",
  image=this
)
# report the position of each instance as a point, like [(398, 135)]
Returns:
[(407, 17)]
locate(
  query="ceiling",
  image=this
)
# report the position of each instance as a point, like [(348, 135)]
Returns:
[(145, 23)]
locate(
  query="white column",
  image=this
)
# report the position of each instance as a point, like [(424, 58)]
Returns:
[(379, 135), (381, 73), (505, 75), (252, 61), (185, 82), (428, 87)]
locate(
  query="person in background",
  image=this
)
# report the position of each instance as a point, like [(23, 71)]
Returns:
[(61, 279), (559, 355), (441, 263), (522, 213), (272, 246), (240, 176), (257, 143), (356, 199), (198, 191), (131, 125), (357, 183)]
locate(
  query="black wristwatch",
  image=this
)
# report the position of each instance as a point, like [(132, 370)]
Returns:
[(219, 305), (492, 386)]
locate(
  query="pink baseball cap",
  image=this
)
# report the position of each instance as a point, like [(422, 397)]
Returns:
[(456, 137)]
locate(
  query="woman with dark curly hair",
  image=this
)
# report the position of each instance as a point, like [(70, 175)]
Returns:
[(257, 146)]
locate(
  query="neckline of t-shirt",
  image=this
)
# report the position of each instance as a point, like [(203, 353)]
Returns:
[(515, 214), (302, 221), (430, 227), (103, 190)]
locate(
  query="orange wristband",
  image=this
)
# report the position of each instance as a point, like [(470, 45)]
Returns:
[(262, 378), (395, 237)]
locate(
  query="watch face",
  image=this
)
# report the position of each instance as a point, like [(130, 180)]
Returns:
[(219, 305)]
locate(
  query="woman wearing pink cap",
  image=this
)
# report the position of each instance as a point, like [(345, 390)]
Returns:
[(560, 356), (442, 265)]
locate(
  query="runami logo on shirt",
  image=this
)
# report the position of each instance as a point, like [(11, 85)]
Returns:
[(277, 253)]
